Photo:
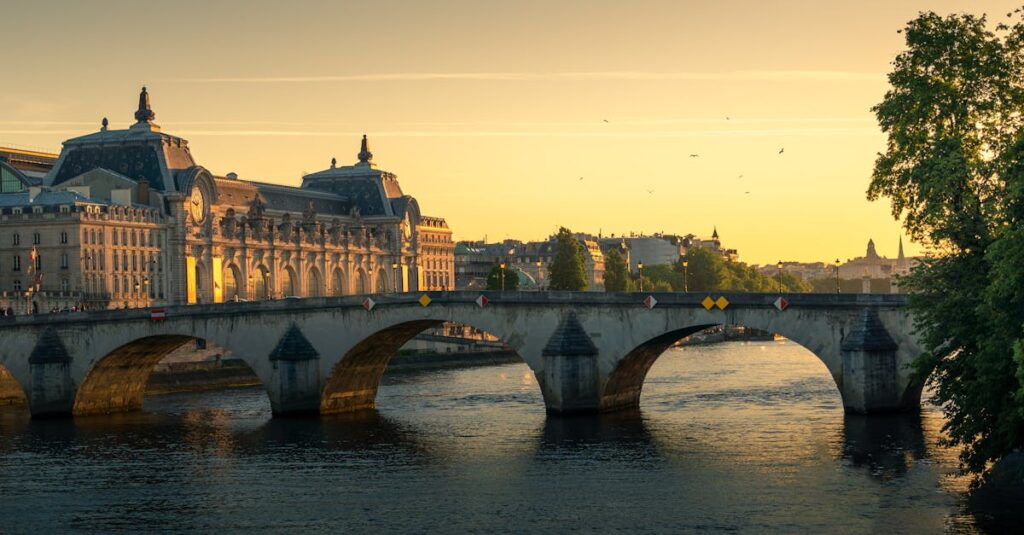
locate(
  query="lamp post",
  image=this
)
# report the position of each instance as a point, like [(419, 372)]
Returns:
[(502, 275), (780, 275), (640, 271), (538, 273), (394, 269), (837, 275), (686, 273)]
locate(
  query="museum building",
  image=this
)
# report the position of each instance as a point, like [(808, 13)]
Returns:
[(127, 218)]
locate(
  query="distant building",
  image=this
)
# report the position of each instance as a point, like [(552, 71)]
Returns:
[(532, 260), (127, 218)]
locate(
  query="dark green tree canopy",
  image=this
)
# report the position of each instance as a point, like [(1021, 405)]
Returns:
[(616, 273), (953, 170), (568, 269), (510, 274)]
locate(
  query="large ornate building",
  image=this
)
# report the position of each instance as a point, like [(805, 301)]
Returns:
[(128, 218)]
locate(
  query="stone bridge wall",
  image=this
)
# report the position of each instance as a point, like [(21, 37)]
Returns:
[(328, 354)]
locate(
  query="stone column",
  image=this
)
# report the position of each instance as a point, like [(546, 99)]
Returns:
[(570, 381), (51, 391), (870, 377), (295, 382)]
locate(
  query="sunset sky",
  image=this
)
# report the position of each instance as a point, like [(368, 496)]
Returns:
[(491, 111)]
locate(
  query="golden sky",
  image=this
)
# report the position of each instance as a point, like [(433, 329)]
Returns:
[(490, 112)]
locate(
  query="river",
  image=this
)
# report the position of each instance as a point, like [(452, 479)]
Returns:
[(735, 437)]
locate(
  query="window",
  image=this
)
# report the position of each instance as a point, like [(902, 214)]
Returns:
[(124, 262), (63, 237), (17, 285), (64, 209), (16, 239), (35, 238), (65, 285), (135, 262), (103, 262), (160, 264), (17, 263), (124, 237), (117, 286), (101, 236), (9, 182), (115, 262), (63, 260), (39, 262), (113, 239), (134, 238), (159, 240)]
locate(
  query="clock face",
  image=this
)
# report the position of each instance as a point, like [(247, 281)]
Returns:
[(197, 204)]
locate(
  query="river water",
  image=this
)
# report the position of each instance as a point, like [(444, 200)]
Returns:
[(736, 437)]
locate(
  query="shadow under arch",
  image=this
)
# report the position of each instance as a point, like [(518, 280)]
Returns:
[(117, 381), (11, 391), (353, 382), (624, 385)]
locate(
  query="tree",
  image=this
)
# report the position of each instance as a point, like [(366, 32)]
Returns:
[(953, 170), (510, 274), (708, 271), (616, 273), (568, 271)]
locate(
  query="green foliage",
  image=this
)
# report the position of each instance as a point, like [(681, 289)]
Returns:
[(568, 271), (953, 169), (616, 273), (708, 271), (511, 275)]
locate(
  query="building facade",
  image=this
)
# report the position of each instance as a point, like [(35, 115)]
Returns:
[(127, 218)]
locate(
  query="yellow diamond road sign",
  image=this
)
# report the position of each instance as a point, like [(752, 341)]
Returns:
[(722, 302), (425, 300), (708, 302)]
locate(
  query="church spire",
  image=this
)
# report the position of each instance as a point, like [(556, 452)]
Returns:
[(714, 234), (145, 113), (365, 156), (901, 257)]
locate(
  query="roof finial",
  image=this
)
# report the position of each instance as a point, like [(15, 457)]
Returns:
[(334, 163), (364, 152), (105, 125), (145, 113)]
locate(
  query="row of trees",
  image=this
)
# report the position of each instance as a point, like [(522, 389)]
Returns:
[(704, 271)]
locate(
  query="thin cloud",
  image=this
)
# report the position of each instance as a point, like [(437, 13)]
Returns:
[(781, 76), (785, 132)]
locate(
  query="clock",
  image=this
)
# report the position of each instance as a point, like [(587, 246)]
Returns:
[(197, 204)]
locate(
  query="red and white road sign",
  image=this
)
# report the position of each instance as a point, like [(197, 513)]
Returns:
[(368, 304), (157, 314), (781, 303), (650, 301), (482, 301)]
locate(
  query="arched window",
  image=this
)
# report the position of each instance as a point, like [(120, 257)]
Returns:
[(231, 283), (289, 282), (338, 282)]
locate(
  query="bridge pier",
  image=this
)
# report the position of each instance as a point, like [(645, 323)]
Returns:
[(51, 392), (295, 382), (870, 381), (570, 381)]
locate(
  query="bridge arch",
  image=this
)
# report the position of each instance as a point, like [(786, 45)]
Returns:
[(354, 380), (117, 381), (624, 385), (11, 391)]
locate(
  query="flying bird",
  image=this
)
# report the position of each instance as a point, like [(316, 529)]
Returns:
[(581, 178), (650, 191), (747, 192), (605, 120), (783, 149), (695, 156), (728, 118), (741, 176)]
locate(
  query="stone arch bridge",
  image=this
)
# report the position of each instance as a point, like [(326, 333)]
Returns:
[(589, 351)]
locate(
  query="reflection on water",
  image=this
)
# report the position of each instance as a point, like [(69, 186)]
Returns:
[(735, 437)]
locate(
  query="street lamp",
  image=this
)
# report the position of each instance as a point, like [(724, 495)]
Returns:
[(538, 273), (686, 272), (394, 268), (640, 271), (780, 275), (837, 275), (502, 266)]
